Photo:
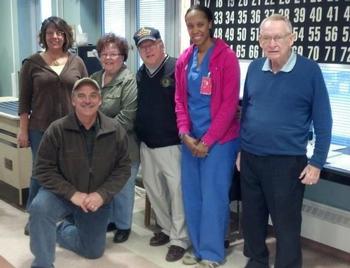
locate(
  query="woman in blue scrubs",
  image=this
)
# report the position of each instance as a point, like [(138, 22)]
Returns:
[(207, 94)]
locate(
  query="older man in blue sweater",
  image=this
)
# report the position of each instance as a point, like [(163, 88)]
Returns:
[(284, 93)]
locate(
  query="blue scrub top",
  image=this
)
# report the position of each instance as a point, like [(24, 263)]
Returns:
[(198, 104)]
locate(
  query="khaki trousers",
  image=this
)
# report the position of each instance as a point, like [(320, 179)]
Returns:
[(161, 174)]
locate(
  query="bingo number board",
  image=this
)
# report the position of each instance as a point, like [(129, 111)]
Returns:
[(322, 27)]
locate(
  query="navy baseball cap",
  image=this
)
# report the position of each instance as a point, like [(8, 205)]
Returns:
[(146, 33)]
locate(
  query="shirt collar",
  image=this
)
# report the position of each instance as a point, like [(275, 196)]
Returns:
[(287, 67), (94, 127), (153, 71)]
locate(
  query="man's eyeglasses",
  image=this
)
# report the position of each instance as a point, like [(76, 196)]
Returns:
[(151, 46), (266, 39), (52, 33)]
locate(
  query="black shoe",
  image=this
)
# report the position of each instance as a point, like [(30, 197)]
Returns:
[(159, 239), (175, 253), (111, 227), (227, 243), (26, 229), (121, 236)]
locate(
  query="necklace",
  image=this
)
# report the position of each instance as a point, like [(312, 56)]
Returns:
[(54, 62)]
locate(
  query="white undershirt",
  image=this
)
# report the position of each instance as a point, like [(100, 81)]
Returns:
[(57, 69)]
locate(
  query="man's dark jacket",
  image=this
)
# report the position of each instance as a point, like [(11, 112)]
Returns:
[(62, 164)]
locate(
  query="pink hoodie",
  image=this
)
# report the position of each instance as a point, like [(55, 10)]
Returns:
[(225, 74)]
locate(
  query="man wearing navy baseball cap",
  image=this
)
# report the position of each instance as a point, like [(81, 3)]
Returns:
[(160, 144)]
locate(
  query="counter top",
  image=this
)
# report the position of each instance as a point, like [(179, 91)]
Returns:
[(337, 168), (9, 107)]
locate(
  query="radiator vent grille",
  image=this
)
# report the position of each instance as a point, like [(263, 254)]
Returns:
[(326, 213)]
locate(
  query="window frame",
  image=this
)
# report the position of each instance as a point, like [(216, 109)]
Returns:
[(172, 22)]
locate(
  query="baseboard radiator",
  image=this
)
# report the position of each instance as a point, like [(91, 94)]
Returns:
[(326, 225)]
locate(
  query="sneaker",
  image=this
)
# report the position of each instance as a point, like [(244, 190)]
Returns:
[(159, 239), (207, 264), (190, 259), (175, 253), (121, 236)]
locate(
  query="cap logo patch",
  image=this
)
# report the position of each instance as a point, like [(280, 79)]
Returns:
[(143, 32)]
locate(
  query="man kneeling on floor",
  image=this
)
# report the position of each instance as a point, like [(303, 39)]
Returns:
[(82, 163)]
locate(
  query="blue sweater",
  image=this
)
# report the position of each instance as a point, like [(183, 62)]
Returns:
[(277, 111)]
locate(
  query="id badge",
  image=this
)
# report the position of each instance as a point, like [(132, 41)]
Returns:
[(206, 85)]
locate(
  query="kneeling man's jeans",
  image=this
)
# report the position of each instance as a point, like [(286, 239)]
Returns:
[(85, 234)]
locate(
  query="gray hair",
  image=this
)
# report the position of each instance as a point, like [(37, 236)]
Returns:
[(278, 17)]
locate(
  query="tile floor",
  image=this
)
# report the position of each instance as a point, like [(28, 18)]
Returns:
[(135, 253)]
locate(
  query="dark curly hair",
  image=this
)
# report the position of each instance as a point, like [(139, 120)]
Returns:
[(111, 38), (61, 25)]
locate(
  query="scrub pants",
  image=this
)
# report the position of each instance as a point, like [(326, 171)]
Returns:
[(205, 185)]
